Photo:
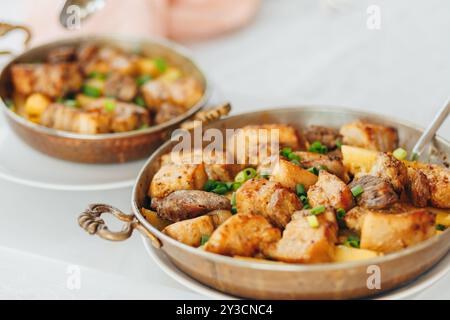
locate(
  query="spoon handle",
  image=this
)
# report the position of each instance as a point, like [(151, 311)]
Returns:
[(429, 133)]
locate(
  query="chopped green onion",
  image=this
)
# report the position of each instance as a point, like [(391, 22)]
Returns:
[(204, 239), (233, 199), (220, 189), (144, 126), (218, 186), (91, 91), (139, 101), (313, 222), (300, 189), (265, 176), (318, 147), (244, 175), (357, 190), (352, 241), (340, 213), (97, 75), (314, 170), (110, 106), (296, 162), (414, 157), (161, 64), (143, 79), (440, 227), (305, 202), (233, 210), (317, 210), (209, 185), (285, 152), (339, 144), (235, 186), (400, 153), (323, 168), (293, 156)]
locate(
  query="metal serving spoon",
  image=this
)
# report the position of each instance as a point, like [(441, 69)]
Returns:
[(429, 133), (75, 11)]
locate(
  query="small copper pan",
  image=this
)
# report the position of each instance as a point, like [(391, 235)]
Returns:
[(260, 280), (101, 148)]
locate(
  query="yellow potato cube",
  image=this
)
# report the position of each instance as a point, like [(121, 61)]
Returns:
[(154, 220), (357, 159), (345, 254), (147, 66), (442, 216), (35, 104)]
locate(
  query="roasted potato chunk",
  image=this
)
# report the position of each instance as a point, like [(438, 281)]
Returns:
[(302, 243), (190, 231), (370, 136), (269, 199), (242, 235), (289, 175), (173, 177), (187, 204), (392, 232), (358, 160), (330, 191)]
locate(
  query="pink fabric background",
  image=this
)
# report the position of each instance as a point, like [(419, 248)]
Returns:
[(176, 19)]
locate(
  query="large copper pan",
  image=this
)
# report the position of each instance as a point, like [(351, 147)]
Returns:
[(252, 279), (101, 148)]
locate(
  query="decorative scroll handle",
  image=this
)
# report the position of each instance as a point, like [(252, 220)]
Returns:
[(91, 221), (5, 28), (207, 116)]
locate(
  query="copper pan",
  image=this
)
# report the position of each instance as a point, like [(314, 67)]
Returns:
[(101, 148), (252, 279)]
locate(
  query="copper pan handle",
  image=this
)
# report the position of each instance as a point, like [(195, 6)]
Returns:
[(206, 116), (90, 220), (6, 28)]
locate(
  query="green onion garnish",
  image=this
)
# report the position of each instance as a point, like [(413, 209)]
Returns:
[(300, 190), (97, 75), (293, 156), (352, 241), (218, 186), (318, 147), (357, 190), (296, 162), (339, 144), (265, 176), (160, 64), (204, 239), (139, 101), (233, 199), (110, 106), (313, 222), (233, 210), (91, 91), (143, 79), (285, 152), (440, 227), (314, 170), (317, 210), (340, 213), (245, 175), (414, 157), (144, 126), (400, 153)]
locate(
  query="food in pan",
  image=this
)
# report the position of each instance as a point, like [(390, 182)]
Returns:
[(94, 89), (329, 196)]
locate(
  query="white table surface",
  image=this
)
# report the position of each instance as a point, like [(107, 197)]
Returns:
[(294, 52)]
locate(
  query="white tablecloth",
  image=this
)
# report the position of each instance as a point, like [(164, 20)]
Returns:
[(294, 52)]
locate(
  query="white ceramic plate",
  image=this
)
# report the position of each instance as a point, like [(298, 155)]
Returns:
[(22, 164), (405, 292)]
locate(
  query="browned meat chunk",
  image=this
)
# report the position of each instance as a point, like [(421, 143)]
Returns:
[(243, 235), (391, 169), (418, 188), (53, 80), (190, 231), (327, 136), (392, 232), (93, 58), (187, 204), (370, 136), (378, 193), (167, 112), (330, 162), (302, 243), (119, 86), (439, 181), (269, 199), (62, 54), (330, 191)]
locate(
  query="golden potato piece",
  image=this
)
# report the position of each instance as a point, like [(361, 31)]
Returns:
[(174, 177), (152, 217), (358, 160), (242, 235), (289, 175), (35, 104), (346, 254)]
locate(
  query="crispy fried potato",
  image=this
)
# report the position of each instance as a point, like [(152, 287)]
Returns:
[(152, 217), (289, 175), (358, 160), (345, 254), (174, 177)]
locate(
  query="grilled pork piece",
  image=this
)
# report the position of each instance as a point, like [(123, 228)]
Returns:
[(327, 136), (120, 86), (62, 54), (53, 80), (439, 181), (418, 188), (378, 193), (370, 136), (301, 243), (93, 58), (269, 199), (187, 204), (168, 111), (173, 177), (391, 169), (330, 191), (61, 117), (243, 235), (184, 92), (191, 231), (330, 162)]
